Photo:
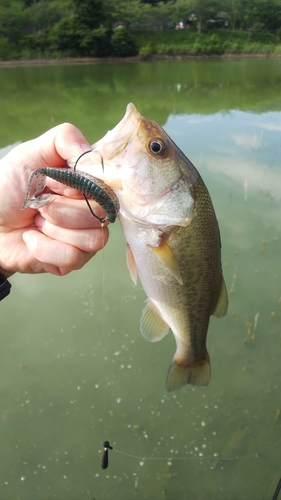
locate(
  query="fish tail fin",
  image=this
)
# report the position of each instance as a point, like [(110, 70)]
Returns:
[(40, 201), (180, 375), (38, 177)]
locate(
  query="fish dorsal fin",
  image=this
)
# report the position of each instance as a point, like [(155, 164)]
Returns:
[(131, 263), (222, 304), (152, 326), (166, 255)]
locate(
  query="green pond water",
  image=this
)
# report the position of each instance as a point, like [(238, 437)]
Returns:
[(74, 367)]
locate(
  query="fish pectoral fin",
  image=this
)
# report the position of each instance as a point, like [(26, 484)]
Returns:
[(152, 326), (179, 375), (131, 264), (166, 255), (222, 304)]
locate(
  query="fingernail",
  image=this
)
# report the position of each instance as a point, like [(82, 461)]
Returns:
[(85, 147)]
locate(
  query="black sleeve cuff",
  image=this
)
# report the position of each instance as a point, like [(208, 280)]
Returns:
[(5, 287)]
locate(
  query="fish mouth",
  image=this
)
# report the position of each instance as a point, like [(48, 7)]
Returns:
[(117, 139)]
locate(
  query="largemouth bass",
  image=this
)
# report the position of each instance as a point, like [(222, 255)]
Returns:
[(173, 239)]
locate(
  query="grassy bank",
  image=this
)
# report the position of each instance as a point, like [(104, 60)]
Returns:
[(219, 42)]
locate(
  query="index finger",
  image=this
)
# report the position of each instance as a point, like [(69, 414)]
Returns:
[(51, 149)]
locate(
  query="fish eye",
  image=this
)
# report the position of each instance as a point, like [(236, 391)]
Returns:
[(157, 147)]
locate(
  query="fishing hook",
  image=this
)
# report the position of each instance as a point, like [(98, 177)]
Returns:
[(101, 219)]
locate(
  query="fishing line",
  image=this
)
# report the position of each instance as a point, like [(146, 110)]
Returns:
[(217, 459), (211, 457), (101, 219), (106, 444), (103, 327)]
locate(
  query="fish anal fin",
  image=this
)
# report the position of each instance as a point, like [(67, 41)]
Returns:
[(131, 264), (181, 374), (222, 304), (152, 326), (166, 255)]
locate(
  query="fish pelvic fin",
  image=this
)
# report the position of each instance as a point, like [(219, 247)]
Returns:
[(153, 327), (222, 304), (179, 375), (131, 264)]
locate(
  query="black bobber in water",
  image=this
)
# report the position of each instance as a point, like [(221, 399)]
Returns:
[(104, 461)]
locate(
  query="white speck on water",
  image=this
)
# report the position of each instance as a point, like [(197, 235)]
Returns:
[(22, 478), (78, 388), (129, 366), (118, 400), (141, 463), (117, 353), (169, 463), (203, 423), (64, 477)]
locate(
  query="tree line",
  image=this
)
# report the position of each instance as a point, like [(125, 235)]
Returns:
[(55, 28)]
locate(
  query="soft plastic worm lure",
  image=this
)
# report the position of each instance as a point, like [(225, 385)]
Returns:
[(89, 186)]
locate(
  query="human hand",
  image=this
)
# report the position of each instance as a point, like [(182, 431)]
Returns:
[(63, 235)]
